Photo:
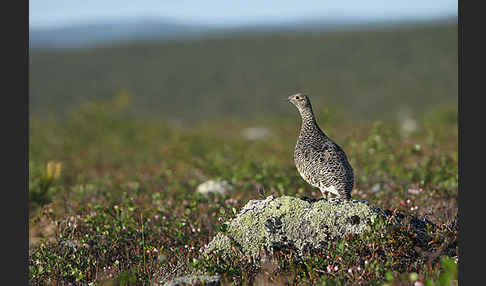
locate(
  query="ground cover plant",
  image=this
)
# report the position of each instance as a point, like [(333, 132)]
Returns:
[(113, 200)]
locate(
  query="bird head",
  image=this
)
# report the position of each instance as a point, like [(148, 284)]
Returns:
[(300, 100)]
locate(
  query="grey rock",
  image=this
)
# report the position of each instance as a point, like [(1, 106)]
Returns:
[(375, 188), (214, 186), (256, 133), (408, 124), (288, 221), (207, 280), (73, 244)]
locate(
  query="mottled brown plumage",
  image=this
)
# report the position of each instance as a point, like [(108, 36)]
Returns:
[(320, 162)]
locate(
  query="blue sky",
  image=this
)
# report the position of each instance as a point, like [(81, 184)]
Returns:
[(51, 13)]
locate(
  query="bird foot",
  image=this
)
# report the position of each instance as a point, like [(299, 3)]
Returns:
[(325, 196)]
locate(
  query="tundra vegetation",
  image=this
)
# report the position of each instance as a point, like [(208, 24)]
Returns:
[(113, 199), (113, 178)]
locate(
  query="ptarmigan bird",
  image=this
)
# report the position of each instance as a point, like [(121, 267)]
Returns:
[(320, 162)]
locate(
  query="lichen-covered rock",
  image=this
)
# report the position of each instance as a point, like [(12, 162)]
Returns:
[(288, 221)]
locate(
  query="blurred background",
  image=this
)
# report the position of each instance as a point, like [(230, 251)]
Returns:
[(205, 60), (198, 88)]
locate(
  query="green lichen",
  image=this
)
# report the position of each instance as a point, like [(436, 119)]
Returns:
[(289, 221)]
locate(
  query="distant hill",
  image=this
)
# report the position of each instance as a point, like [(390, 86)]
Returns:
[(366, 74), (102, 33)]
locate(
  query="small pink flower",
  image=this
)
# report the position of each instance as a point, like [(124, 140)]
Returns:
[(418, 283), (336, 268), (155, 250), (415, 191), (409, 201), (350, 270)]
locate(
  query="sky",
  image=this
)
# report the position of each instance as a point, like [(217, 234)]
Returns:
[(58, 13)]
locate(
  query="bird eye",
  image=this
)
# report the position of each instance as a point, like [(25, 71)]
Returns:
[(298, 97)]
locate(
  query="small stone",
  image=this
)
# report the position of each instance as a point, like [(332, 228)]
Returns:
[(256, 133), (215, 187), (375, 188), (207, 280)]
